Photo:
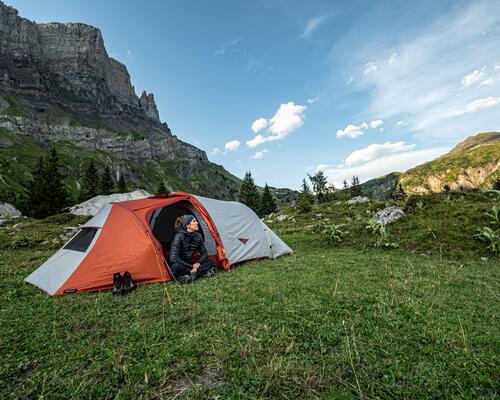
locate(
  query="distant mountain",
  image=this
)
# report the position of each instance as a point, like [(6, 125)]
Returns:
[(58, 86), (473, 163)]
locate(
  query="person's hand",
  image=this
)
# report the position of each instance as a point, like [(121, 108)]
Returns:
[(196, 267)]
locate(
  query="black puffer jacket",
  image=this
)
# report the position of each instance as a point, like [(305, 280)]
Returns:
[(184, 245)]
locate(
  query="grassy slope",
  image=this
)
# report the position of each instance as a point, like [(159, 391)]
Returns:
[(340, 322), (475, 152)]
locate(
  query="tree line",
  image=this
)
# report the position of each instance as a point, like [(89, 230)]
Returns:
[(262, 204)]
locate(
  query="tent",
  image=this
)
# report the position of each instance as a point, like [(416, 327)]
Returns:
[(135, 236)]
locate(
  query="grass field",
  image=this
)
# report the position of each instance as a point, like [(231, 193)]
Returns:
[(328, 322)]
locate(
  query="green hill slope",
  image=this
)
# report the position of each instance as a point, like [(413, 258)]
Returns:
[(473, 163)]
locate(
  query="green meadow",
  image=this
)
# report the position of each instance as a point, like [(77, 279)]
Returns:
[(418, 319)]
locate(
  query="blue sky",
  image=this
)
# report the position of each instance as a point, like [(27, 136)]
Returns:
[(284, 88)]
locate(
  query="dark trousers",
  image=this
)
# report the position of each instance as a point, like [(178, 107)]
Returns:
[(179, 269)]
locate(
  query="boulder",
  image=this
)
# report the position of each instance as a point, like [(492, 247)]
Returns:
[(8, 210), (358, 200), (389, 215), (93, 205)]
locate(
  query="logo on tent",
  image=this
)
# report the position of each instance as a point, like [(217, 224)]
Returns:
[(244, 241)]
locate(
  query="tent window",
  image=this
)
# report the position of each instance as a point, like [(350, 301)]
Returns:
[(82, 240)]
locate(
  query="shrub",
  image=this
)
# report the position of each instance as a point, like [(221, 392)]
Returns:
[(381, 235), (490, 237), (333, 234)]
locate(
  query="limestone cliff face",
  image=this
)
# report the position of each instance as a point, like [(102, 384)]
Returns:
[(66, 62), (58, 84)]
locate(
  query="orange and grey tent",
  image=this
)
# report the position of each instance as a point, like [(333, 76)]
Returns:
[(135, 236)]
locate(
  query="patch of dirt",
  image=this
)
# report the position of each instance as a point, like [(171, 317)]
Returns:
[(209, 378)]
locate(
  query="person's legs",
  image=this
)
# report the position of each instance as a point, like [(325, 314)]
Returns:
[(204, 268), (179, 270)]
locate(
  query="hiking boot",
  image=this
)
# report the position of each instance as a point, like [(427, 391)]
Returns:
[(128, 283), (185, 279), (118, 287)]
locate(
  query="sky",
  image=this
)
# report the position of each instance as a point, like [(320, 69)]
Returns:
[(287, 88)]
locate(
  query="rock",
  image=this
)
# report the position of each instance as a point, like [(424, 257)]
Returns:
[(70, 230), (484, 259), (5, 222), (17, 226), (93, 205), (389, 215), (282, 217), (8, 210), (358, 200)]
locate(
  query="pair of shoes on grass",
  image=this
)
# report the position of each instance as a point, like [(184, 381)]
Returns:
[(210, 273), (122, 284)]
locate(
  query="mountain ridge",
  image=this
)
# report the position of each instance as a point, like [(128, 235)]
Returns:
[(472, 163)]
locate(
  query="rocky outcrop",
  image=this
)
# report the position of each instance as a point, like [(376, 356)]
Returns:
[(66, 63), (358, 200), (389, 215)]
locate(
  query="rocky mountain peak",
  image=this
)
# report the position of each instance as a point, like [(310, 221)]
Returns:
[(66, 62)]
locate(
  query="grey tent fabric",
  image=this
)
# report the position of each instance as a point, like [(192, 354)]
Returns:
[(244, 236), (54, 272)]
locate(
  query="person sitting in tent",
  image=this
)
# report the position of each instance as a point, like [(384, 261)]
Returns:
[(186, 242)]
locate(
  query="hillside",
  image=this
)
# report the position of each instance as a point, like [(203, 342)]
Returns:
[(58, 86), (473, 163), (345, 321)]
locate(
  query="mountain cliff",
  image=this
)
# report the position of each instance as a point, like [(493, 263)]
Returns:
[(58, 86), (473, 163)]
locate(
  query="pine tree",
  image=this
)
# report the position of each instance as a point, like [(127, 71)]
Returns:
[(105, 185), (355, 189), (162, 188), (401, 194), (346, 185), (267, 204), (319, 183), (90, 182), (305, 198), (47, 194), (121, 186), (249, 194)]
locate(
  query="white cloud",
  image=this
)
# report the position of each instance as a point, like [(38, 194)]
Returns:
[(260, 154), (215, 151), (350, 80), (375, 124), (374, 151), (400, 123), (313, 100), (288, 118), (424, 84), (313, 24), (370, 67), (259, 124), (381, 166), (474, 77), (488, 81), (129, 52), (354, 131), (232, 145), (393, 59), (497, 67), (477, 105)]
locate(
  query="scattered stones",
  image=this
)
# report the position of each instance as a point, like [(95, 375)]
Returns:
[(358, 200), (484, 259), (389, 215), (17, 226), (282, 217)]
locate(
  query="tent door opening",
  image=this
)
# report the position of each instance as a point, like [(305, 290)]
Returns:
[(163, 225)]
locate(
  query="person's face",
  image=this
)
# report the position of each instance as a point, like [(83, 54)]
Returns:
[(193, 225)]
